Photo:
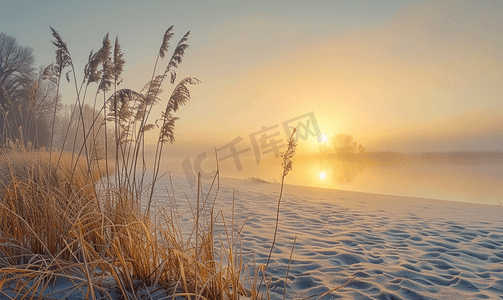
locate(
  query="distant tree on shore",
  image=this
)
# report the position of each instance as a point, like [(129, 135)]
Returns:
[(345, 144)]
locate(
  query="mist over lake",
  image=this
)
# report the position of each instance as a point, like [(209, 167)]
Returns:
[(473, 177)]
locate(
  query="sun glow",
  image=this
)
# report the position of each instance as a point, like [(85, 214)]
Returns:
[(323, 176), (323, 138)]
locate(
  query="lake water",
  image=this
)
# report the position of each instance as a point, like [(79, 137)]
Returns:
[(475, 181)]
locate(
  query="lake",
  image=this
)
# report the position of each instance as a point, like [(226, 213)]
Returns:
[(476, 178)]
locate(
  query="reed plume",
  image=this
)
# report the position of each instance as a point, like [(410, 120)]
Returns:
[(63, 59), (72, 220), (287, 164), (165, 42)]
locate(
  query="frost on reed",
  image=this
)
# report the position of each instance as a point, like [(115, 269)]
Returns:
[(82, 221)]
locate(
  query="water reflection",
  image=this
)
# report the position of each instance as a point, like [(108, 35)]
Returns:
[(345, 168), (326, 171), (459, 176), (331, 169), (469, 177), (344, 171)]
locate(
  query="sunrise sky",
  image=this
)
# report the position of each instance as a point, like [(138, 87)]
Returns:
[(397, 75)]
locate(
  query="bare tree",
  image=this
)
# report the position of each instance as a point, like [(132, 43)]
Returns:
[(26, 100), (16, 74), (38, 104)]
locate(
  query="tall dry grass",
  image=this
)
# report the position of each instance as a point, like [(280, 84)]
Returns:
[(85, 224), (62, 227)]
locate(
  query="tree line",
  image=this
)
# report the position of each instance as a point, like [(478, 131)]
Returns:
[(31, 113)]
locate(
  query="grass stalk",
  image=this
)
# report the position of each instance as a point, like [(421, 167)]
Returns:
[(287, 167), (75, 220)]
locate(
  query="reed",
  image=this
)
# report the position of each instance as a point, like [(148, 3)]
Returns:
[(71, 217), (53, 230), (87, 223)]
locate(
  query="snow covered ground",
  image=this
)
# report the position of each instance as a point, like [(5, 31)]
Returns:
[(395, 247)]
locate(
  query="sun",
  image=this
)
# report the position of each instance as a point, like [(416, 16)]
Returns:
[(323, 138), (323, 176)]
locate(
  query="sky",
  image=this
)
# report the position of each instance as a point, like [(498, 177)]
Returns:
[(397, 75)]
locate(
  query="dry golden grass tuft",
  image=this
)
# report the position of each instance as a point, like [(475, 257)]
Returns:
[(38, 205), (80, 220), (65, 223), (79, 224), (83, 223)]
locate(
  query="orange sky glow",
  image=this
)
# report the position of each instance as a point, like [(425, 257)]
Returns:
[(397, 75)]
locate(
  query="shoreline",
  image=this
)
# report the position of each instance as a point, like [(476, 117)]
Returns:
[(375, 201), (395, 247)]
